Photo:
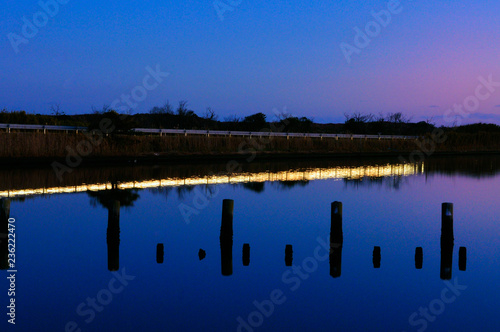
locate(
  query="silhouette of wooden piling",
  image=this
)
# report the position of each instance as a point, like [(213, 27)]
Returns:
[(159, 253), (4, 211), (4, 233), (202, 254), (336, 235), (419, 257), (462, 258), (335, 260), (246, 254), (447, 219), (226, 237), (113, 236), (288, 255), (376, 257), (336, 240), (446, 241)]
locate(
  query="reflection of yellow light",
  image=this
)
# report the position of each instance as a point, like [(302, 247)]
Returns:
[(350, 173)]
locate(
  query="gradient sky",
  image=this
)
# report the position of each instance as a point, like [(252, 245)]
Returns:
[(261, 56)]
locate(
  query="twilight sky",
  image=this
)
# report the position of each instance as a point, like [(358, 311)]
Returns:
[(239, 57)]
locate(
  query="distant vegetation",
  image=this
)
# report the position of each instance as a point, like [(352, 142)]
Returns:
[(118, 143), (181, 117)]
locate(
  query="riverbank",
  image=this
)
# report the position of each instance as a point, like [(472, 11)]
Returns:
[(25, 149)]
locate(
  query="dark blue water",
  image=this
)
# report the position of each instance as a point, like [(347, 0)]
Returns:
[(66, 245)]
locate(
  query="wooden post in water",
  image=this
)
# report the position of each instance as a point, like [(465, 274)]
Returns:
[(419, 258), (113, 236), (336, 235), (159, 253), (447, 219), (376, 257), (202, 254), (4, 211), (446, 240), (288, 255), (4, 233), (335, 260), (246, 254), (462, 258), (336, 239), (226, 237)]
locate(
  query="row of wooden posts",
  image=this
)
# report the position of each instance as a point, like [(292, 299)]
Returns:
[(226, 241), (336, 243)]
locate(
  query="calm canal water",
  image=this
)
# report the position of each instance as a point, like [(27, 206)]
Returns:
[(140, 248)]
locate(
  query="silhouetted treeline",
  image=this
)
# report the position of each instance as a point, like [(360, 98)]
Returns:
[(181, 117), (21, 117), (390, 124)]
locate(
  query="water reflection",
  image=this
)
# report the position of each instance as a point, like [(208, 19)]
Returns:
[(226, 237), (335, 261), (254, 181), (419, 258), (298, 216), (355, 172), (286, 185), (376, 257), (246, 254), (201, 254), (392, 182), (112, 200), (182, 191), (446, 241), (4, 233), (288, 255), (114, 195), (478, 166), (462, 258), (159, 253), (113, 236), (257, 187), (336, 239)]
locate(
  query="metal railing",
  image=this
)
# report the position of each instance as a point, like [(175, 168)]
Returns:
[(264, 134), (187, 132), (43, 128)]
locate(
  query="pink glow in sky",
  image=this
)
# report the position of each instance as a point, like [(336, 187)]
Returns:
[(258, 57)]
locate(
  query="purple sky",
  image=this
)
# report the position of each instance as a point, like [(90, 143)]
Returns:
[(242, 57)]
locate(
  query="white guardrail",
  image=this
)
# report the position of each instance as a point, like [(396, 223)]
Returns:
[(43, 128), (264, 134), (186, 132)]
